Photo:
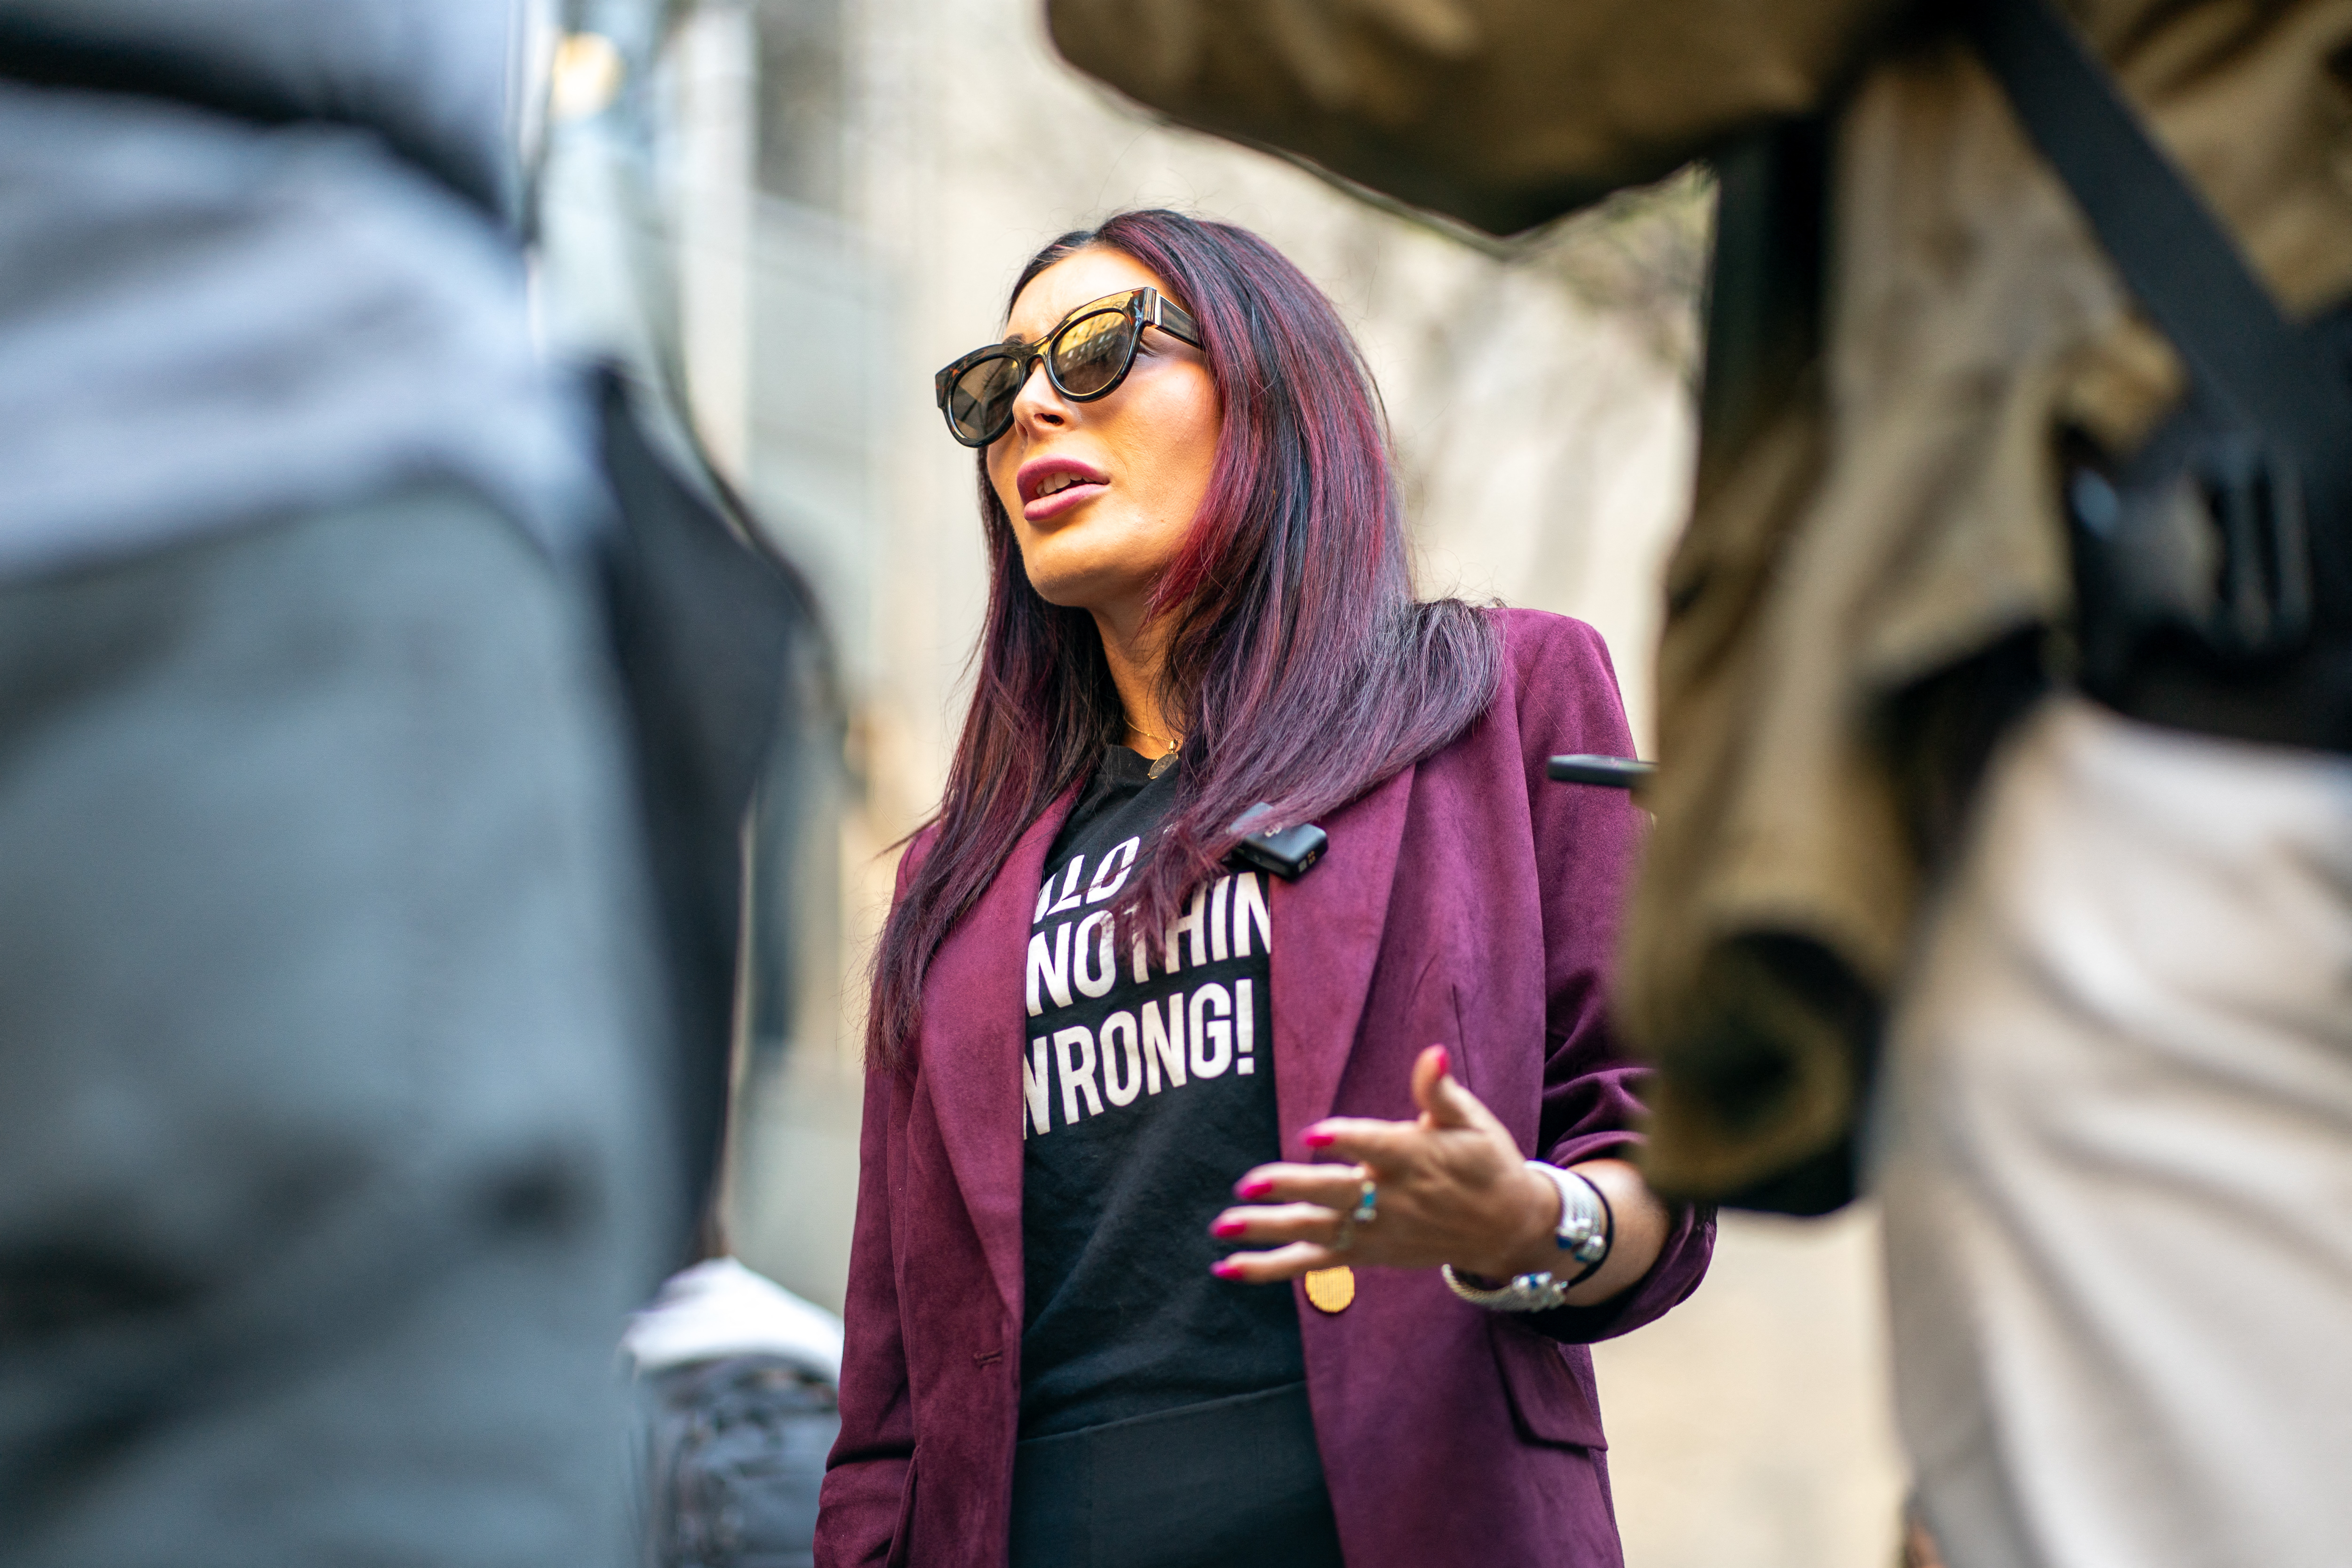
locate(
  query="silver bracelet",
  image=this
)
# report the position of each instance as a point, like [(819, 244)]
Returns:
[(1586, 1227), (1585, 1231), (1524, 1293)]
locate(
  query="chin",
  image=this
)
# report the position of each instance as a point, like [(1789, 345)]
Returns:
[(1071, 578), (1064, 595)]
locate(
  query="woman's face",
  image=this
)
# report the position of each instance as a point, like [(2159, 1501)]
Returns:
[(1140, 457)]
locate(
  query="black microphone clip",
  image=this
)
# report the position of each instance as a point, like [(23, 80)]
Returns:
[(1286, 852)]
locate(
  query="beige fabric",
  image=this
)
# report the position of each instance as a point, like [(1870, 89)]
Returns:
[(1501, 112), (2117, 1177), (1902, 518)]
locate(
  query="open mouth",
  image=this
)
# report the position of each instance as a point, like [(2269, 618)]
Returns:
[(1052, 485)]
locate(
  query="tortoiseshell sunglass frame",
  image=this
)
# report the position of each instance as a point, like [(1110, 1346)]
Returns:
[(1140, 307)]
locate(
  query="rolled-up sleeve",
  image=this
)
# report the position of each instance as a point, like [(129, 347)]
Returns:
[(1588, 842), (1501, 114)]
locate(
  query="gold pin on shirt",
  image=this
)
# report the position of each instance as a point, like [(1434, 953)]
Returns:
[(1331, 1290)]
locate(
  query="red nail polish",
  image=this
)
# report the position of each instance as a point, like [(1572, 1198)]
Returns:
[(1318, 1139), (1445, 1059), (1225, 1270), (1228, 1228), (1255, 1188)]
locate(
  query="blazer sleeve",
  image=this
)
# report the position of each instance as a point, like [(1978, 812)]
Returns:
[(1588, 842), (1500, 112), (869, 1475)]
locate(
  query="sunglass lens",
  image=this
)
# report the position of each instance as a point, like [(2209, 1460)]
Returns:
[(980, 404), (1090, 352)]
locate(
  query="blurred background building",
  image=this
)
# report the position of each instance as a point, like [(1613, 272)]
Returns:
[(794, 211)]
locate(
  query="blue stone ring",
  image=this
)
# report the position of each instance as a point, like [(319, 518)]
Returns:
[(1368, 1203)]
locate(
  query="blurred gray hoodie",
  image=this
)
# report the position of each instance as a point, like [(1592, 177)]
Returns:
[(257, 256), (332, 1142)]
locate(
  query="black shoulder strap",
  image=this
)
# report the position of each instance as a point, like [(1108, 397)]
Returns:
[(2173, 253)]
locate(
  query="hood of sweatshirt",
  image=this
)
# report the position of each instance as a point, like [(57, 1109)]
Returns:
[(442, 82), (257, 259)]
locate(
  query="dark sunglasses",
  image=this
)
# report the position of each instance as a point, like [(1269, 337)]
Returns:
[(1085, 357)]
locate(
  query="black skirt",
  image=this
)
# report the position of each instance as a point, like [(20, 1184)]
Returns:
[(1233, 1483)]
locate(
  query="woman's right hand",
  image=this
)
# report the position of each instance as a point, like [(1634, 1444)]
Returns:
[(1451, 1187)]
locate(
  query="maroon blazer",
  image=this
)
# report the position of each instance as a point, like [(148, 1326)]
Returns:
[(1466, 901)]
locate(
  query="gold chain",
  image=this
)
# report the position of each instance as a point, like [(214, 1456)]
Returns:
[(1165, 760), (1135, 729)]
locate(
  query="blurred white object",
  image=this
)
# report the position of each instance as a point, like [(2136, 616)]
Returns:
[(2115, 1158), (585, 77), (720, 1308)]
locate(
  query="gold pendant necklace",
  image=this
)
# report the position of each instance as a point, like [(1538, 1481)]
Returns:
[(1165, 760)]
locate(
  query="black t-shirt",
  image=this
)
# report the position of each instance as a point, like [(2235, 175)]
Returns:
[(1146, 1093)]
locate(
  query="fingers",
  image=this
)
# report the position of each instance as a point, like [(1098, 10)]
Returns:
[(1294, 1204), (1282, 1263), (1452, 1184), (1445, 1105), (1287, 1222), (1440, 1096), (1429, 1077), (1364, 1141), (1334, 1186)]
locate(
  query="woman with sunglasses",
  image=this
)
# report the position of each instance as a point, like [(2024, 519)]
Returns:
[(1224, 1202)]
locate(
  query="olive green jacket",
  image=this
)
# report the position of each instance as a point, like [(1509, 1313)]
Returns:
[(1906, 310)]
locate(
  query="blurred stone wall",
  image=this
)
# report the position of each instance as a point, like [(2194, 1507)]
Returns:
[(899, 160)]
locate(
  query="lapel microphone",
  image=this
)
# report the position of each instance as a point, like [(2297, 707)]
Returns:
[(1609, 773), (1286, 852)]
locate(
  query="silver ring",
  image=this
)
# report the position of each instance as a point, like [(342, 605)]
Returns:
[(1368, 1203)]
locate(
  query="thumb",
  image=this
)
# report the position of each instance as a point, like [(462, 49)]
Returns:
[(1439, 1094)]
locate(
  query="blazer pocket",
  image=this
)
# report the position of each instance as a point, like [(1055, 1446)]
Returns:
[(1549, 1384), (902, 1538)]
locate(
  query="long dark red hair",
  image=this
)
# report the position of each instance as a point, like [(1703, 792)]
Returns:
[(1300, 670)]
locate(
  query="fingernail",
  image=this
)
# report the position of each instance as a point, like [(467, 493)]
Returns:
[(1255, 1188), (1444, 1061), (1316, 1138), (1226, 1270), (1229, 1228)]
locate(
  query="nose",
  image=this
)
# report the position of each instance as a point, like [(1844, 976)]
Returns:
[(1039, 405)]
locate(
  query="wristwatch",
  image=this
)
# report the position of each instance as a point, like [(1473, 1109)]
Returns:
[(1586, 1227), (1585, 1231)]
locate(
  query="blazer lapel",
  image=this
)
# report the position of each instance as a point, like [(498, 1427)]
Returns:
[(1326, 936), (972, 1044)]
